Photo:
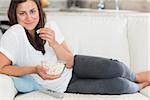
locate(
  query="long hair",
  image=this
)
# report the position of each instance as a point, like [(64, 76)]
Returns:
[(13, 20)]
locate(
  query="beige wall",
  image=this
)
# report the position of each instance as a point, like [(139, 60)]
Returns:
[(4, 3), (139, 5)]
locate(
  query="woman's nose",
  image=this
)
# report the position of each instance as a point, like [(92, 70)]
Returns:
[(29, 17)]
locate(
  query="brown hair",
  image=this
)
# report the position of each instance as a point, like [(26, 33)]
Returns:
[(37, 43)]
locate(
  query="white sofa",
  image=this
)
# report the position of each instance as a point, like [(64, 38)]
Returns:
[(121, 36)]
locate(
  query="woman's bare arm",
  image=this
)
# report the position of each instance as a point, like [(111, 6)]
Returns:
[(6, 68), (63, 53)]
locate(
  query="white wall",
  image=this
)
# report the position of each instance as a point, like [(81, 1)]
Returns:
[(4, 3)]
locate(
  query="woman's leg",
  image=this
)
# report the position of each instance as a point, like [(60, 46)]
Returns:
[(143, 77), (100, 68), (144, 84), (103, 86)]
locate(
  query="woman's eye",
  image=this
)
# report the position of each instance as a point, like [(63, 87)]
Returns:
[(33, 11), (22, 13)]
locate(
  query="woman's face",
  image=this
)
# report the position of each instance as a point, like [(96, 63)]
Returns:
[(28, 15)]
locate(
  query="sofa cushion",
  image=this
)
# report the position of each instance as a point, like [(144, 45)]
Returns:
[(7, 88), (146, 91), (95, 35), (69, 96)]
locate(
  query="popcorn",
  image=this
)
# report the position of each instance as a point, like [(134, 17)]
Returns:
[(38, 31), (54, 69)]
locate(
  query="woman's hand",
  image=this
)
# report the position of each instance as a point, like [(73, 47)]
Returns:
[(42, 73), (61, 50), (48, 35)]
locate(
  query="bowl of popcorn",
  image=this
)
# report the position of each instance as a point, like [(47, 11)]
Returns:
[(54, 69)]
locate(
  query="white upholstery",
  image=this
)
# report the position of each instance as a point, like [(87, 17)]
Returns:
[(146, 91), (139, 42), (125, 38), (95, 35), (39, 96), (7, 89)]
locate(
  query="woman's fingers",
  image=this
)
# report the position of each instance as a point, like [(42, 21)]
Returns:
[(42, 72), (46, 31), (48, 35), (51, 77)]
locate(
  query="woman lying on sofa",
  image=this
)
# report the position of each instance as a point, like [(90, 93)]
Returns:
[(22, 50)]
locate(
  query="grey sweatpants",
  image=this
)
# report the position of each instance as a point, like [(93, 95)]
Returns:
[(101, 76)]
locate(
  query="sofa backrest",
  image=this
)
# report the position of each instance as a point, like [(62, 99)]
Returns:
[(95, 35), (139, 41)]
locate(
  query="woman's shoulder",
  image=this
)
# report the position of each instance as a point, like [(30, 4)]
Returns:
[(15, 30)]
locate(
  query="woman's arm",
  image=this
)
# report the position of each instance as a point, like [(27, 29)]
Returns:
[(6, 68), (63, 53)]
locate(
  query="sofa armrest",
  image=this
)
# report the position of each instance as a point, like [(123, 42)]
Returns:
[(7, 88), (138, 39), (146, 92)]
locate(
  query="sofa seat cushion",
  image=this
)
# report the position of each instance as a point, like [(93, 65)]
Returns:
[(69, 96), (146, 91)]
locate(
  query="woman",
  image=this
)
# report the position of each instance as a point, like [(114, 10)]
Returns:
[(28, 49), (23, 47)]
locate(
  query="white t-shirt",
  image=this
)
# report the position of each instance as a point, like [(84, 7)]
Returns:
[(15, 45)]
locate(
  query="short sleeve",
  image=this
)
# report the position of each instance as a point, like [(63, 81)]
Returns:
[(8, 45), (58, 35)]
